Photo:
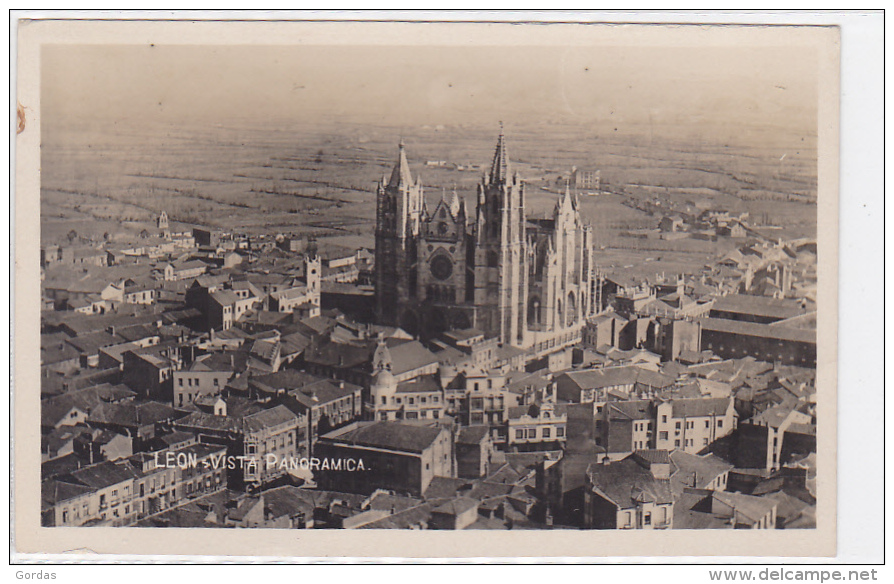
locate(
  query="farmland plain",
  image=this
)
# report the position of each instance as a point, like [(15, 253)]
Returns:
[(319, 178)]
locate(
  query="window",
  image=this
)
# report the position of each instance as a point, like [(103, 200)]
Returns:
[(662, 435), (677, 443), (397, 399), (664, 419), (678, 425), (720, 423), (423, 400), (412, 401), (704, 441), (181, 381), (560, 432), (647, 518), (547, 432), (532, 433), (520, 434), (189, 382), (436, 414)]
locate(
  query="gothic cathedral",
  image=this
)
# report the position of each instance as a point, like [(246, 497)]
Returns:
[(523, 280)]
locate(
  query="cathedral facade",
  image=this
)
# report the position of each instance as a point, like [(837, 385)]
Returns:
[(491, 268)]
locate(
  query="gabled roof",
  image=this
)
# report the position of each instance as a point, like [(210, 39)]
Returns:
[(52, 410)]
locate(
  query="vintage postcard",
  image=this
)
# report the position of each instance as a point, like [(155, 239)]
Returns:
[(503, 290)]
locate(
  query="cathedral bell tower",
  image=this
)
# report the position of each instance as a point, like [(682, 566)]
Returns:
[(501, 285), (399, 207)]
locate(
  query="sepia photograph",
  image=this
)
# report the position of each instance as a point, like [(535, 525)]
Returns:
[(565, 279)]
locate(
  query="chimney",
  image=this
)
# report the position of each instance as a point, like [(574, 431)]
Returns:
[(341, 384)]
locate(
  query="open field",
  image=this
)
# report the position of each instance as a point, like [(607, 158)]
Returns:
[(320, 178)]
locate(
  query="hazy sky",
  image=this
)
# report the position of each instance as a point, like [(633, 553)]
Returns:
[(428, 85)]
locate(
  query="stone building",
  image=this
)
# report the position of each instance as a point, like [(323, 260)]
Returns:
[(528, 282)]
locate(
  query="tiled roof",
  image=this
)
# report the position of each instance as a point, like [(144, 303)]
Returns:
[(100, 476), (618, 376), (633, 410), (421, 384), (131, 414), (471, 434), (753, 329), (691, 470), (758, 306), (754, 508), (626, 483), (408, 356), (53, 492), (52, 410), (653, 456), (456, 506), (262, 420), (700, 407), (225, 297), (389, 435)]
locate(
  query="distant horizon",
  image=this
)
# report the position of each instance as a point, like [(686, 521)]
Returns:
[(624, 87)]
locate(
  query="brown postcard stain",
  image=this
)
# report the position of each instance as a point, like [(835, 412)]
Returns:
[(20, 118)]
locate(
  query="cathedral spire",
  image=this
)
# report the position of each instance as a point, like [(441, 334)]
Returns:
[(500, 171), (565, 203), (401, 175), (454, 202)]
